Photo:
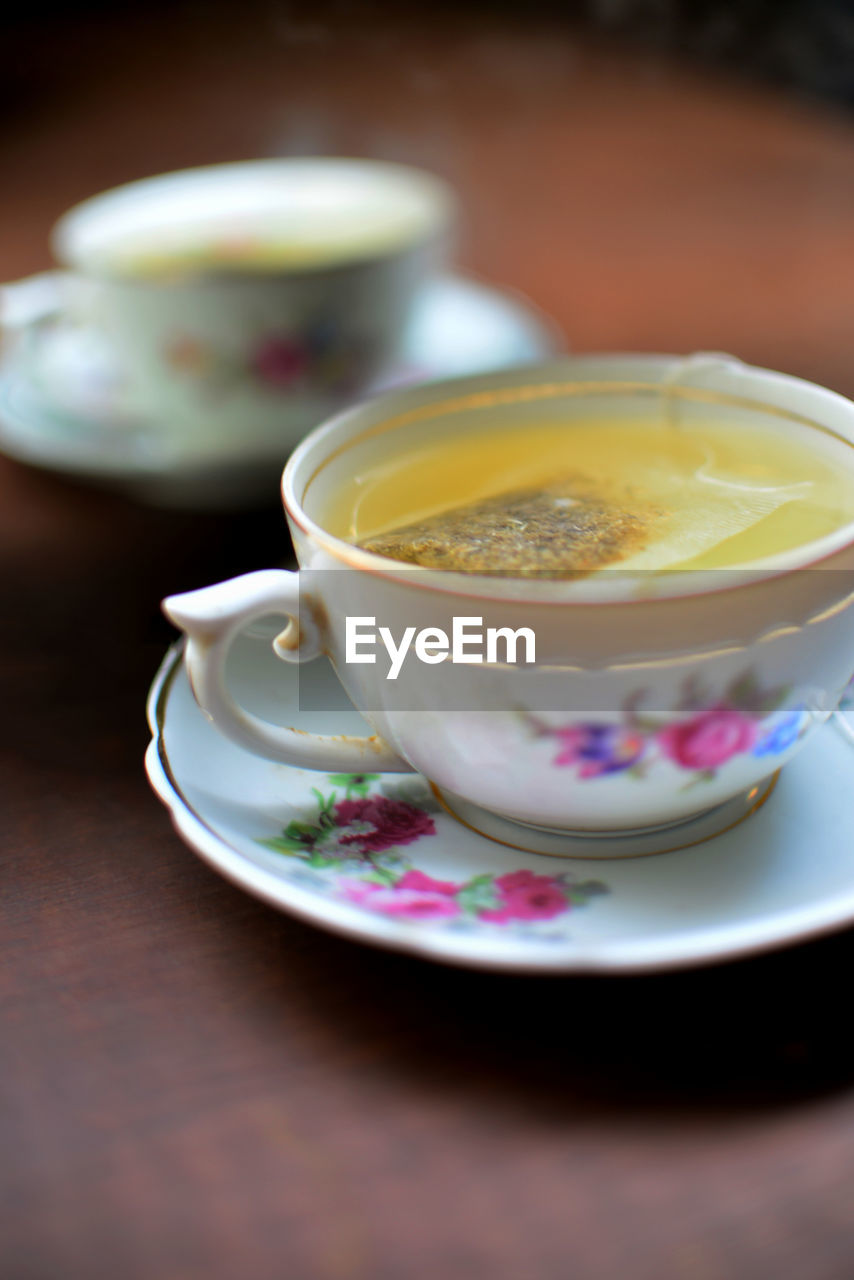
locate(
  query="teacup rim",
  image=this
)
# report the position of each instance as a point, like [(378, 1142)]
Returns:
[(595, 590), (434, 188)]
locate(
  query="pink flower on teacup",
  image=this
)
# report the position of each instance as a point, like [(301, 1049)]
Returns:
[(279, 361), (708, 739), (523, 895)]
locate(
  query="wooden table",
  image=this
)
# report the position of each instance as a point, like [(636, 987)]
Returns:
[(198, 1088)]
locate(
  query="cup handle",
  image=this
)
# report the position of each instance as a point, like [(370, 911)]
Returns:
[(212, 618), (31, 300)]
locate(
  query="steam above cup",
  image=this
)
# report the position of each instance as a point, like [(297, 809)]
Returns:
[(247, 301)]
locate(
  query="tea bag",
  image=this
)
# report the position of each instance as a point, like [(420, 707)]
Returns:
[(562, 531), (720, 521), (707, 518)]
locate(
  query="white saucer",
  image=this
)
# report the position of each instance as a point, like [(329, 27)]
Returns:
[(62, 405), (438, 889)]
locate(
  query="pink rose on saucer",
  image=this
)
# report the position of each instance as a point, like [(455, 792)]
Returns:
[(394, 822), (524, 895), (426, 884), (415, 896), (708, 739)]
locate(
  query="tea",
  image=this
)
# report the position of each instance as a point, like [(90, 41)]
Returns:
[(232, 254), (298, 242), (559, 530), (634, 493)]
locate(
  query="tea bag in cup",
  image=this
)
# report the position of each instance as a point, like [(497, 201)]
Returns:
[(559, 531), (571, 529)]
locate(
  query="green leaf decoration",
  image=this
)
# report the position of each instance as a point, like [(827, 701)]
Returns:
[(281, 844), (772, 700), (639, 770), (478, 894), (354, 784), (580, 893), (326, 807), (321, 861), (391, 860), (412, 791), (705, 775), (379, 875), (295, 829), (537, 727), (743, 691), (631, 710), (693, 696)]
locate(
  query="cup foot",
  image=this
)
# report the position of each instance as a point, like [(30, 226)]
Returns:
[(639, 842)]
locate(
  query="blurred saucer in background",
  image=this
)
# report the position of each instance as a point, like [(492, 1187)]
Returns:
[(64, 408)]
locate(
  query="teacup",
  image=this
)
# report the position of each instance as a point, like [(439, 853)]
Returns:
[(650, 702), (247, 301)]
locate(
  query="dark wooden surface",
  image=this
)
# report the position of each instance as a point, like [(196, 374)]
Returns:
[(195, 1086)]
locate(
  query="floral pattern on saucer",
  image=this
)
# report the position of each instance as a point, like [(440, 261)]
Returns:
[(705, 736), (781, 877), (351, 845)]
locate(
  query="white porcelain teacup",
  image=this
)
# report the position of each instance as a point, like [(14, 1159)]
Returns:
[(599, 735), (245, 302)]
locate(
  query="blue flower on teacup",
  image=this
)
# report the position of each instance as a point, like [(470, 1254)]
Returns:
[(781, 735), (598, 748)]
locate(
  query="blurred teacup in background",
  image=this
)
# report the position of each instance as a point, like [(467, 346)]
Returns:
[(245, 301)]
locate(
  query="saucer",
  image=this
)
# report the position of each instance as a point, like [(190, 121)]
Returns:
[(379, 859), (63, 406)]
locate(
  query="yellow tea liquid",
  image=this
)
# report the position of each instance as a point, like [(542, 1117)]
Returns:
[(232, 255), (725, 493), (298, 244)]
